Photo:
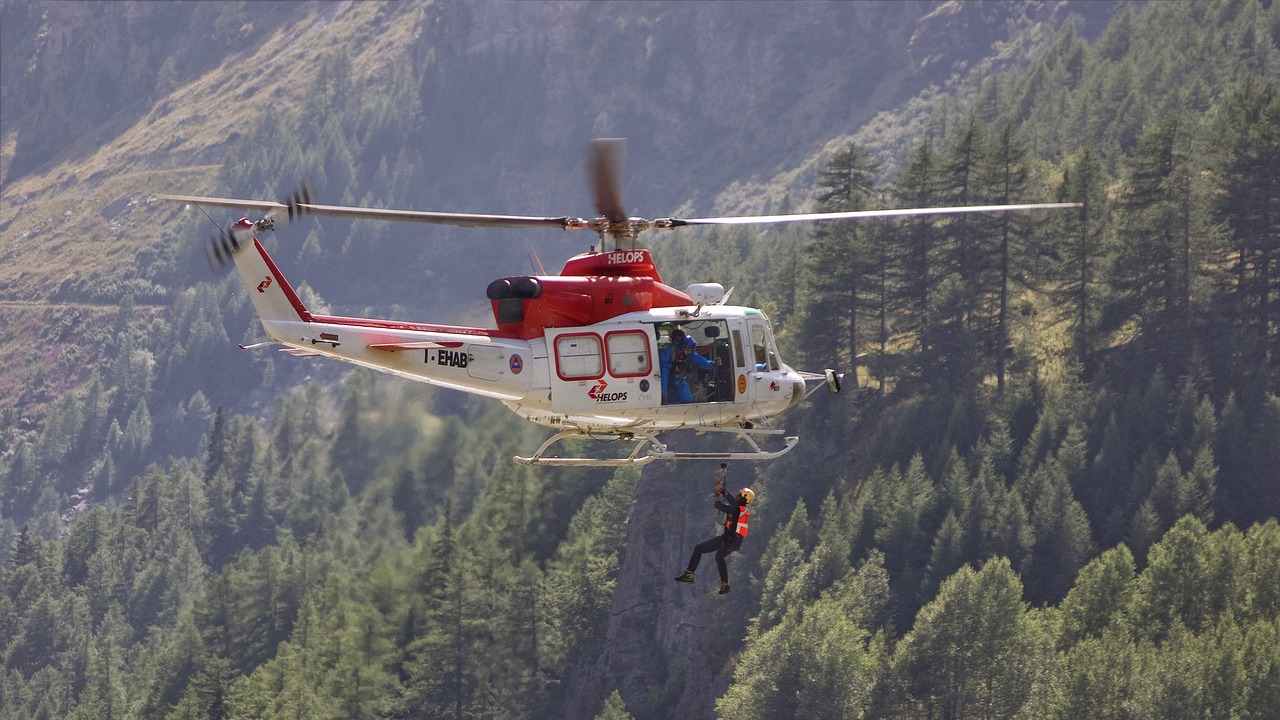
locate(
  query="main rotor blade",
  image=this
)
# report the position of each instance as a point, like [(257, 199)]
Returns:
[(225, 202), (604, 161), (859, 214), (436, 218)]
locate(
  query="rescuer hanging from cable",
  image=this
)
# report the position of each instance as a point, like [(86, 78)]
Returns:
[(736, 515)]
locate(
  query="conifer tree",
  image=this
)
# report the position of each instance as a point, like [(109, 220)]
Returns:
[(1080, 264), (961, 184), (1005, 179), (614, 708), (1063, 540), (966, 653), (25, 548), (947, 555), (1103, 591), (216, 447), (1249, 205), (1153, 270), (838, 270), (916, 274)]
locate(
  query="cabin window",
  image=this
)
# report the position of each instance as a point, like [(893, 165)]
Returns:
[(737, 349), (578, 356), (628, 353)]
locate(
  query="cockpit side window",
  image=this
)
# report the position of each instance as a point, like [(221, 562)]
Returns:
[(759, 349), (737, 348), (774, 364)]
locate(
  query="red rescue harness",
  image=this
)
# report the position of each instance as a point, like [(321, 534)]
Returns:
[(743, 516)]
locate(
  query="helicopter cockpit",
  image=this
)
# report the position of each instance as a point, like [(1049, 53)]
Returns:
[(696, 361)]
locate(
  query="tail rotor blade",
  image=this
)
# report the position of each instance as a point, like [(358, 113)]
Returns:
[(228, 245), (216, 252)]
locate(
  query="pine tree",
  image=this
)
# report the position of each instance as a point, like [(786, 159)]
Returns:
[(916, 277), (1005, 178), (1249, 205), (1103, 591), (1062, 535), (614, 708), (1080, 256), (838, 272), (947, 555), (216, 446), (25, 549), (1153, 270), (1144, 531), (440, 680), (883, 296), (967, 653), (1167, 497), (961, 184)]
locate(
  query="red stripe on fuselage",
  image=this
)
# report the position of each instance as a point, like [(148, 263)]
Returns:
[(412, 326), (294, 300)]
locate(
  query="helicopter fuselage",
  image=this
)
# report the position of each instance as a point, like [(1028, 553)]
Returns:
[(586, 352)]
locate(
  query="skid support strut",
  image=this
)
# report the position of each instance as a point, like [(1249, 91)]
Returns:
[(659, 450)]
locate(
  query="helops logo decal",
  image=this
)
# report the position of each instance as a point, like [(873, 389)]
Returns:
[(626, 258), (515, 363), (596, 392), (266, 283)]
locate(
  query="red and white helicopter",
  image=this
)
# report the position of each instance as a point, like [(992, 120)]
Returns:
[(588, 352)]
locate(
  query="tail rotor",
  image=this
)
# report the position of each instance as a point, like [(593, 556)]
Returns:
[(225, 242)]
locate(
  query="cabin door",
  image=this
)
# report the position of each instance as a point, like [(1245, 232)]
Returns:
[(603, 371)]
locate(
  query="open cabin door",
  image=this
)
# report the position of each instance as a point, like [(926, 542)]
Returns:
[(604, 371)]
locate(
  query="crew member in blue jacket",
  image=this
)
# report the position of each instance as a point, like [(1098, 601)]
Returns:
[(676, 362)]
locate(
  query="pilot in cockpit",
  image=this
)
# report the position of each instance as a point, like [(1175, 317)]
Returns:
[(678, 362)]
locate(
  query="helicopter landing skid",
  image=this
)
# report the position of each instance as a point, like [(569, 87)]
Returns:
[(659, 450)]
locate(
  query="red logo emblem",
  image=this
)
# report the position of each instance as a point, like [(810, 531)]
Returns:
[(266, 283), (596, 389), (773, 385)]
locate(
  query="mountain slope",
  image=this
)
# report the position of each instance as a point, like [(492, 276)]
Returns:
[(494, 119)]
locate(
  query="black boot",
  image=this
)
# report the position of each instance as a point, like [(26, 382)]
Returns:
[(724, 588), (686, 576)]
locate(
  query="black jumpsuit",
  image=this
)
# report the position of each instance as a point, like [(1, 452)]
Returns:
[(722, 544)]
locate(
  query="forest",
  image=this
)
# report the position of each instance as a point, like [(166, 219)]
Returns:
[(1050, 490)]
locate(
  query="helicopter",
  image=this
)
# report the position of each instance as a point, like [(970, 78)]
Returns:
[(603, 351)]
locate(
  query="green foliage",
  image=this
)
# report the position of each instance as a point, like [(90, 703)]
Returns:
[(973, 648), (613, 709), (821, 661)]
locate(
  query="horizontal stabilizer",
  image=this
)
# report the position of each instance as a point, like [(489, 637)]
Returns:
[(299, 352)]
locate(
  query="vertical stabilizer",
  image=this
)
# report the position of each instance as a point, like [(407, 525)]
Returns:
[(272, 295)]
